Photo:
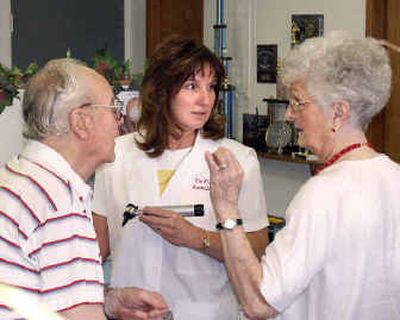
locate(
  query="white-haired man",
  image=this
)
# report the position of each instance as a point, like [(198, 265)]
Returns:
[(48, 246)]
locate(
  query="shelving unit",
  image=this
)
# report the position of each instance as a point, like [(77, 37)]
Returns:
[(313, 165)]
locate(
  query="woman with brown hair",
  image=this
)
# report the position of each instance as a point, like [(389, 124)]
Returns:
[(163, 164)]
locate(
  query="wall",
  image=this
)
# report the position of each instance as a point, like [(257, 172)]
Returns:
[(135, 33), (10, 119), (11, 124), (5, 32)]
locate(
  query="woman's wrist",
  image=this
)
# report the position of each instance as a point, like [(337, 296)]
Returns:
[(206, 240), (226, 211)]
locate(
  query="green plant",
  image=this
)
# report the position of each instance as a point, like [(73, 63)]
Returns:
[(113, 70), (11, 80), (117, 73), (23, 76), (8, 89)]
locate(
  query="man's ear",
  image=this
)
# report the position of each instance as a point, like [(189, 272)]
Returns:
[(341, 113), (80, 123)]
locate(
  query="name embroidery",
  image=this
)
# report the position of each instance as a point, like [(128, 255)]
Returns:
[(201, 183)]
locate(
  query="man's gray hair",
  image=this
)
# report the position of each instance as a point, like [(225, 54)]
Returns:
[(51, 95), (340, 67)]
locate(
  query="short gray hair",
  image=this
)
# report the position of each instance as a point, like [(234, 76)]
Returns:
[(340, 67), (50, 96)]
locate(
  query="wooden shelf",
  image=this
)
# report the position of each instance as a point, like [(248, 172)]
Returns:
[(286, 158)]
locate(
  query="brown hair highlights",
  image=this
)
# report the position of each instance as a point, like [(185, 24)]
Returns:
[(172, 63)]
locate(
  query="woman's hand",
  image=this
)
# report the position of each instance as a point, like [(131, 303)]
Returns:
[(226, 175), (171, 226)]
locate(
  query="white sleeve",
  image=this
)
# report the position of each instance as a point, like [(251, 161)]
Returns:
[(299, 250)]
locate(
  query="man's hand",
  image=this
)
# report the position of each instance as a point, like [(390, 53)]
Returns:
[(134, 303)]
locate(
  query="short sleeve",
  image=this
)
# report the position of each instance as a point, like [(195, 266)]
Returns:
[(299, 250)]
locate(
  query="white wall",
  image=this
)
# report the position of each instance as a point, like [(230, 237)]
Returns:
[(11, 124), (135, 33), (10, 119), (5, 32), (282, 180)]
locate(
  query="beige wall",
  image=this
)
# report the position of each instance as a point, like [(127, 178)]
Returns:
[(135, 33), (11, 124), (5, 32)]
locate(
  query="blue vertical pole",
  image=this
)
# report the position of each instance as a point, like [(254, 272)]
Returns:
[(220, 51)]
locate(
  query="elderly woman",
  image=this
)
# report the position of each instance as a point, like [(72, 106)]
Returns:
[(163, 165), (338, 256)]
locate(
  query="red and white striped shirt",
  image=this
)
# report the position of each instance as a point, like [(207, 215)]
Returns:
[(48, 246)]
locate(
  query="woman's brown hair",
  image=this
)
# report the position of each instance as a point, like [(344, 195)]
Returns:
[(172, 63)]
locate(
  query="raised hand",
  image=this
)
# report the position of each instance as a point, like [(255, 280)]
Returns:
[(226, 175)]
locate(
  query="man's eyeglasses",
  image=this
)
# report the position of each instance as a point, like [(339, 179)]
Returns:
[(117, 108), (297, 105)]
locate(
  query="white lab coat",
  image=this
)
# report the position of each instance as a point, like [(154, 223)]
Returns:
[(195, 285)]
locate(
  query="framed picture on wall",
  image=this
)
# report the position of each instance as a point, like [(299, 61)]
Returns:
[(266, 63), (304, 26)]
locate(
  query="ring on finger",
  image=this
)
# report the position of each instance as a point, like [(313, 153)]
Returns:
[(222, 166)]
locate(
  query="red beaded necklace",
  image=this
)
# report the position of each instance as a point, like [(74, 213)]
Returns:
[(340, 154)]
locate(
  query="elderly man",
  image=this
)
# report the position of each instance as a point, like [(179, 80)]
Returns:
[(47, 243)]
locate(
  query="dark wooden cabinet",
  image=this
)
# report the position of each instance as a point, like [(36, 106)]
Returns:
[(382, 23), (167, 17)]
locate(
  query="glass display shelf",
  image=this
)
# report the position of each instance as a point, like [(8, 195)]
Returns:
[(286, 158)]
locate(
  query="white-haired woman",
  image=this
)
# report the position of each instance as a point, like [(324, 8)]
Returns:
[(338, 256)]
